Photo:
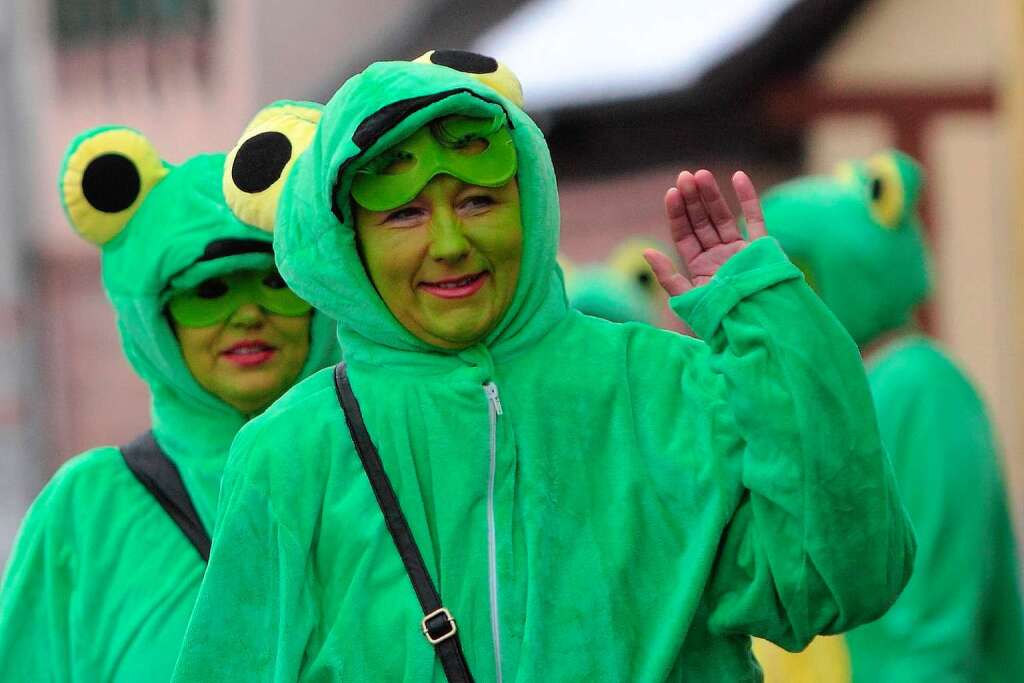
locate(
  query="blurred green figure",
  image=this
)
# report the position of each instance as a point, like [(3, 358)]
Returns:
[(856, 236), (622, 288)]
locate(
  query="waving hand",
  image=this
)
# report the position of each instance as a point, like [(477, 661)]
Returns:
[(704, 229)]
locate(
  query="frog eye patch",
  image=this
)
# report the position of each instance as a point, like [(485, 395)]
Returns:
[(886, 194), (256, 169), (106, 175), (216, 299), (485, 69)]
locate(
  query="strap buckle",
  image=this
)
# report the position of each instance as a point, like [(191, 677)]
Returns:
[(439, 626)]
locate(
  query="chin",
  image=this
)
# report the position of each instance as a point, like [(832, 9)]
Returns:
[(261, 393), (464, 334), (461, 338)]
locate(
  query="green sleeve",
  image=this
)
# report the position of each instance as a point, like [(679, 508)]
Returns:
[(255, 612), (36, 594), (819, 541), (948, 470), (1004, 630)]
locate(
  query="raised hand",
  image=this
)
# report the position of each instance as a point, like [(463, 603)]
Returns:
[(704, 229)]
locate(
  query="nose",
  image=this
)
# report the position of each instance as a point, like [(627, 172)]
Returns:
[(448, 242), (248, 316)]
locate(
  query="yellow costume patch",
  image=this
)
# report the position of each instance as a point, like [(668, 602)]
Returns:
[(488, 71), (256, 169), (105, 180)]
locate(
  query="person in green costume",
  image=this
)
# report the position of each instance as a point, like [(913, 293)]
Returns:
[(101, 581), (596, 290), (857, 236), (621, 289), (593, 501)]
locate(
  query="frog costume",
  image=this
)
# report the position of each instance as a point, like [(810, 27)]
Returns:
[(101, 581), (593, 501), (622, 288), (858, 238)]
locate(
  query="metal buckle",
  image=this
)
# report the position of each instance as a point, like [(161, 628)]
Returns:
[(444, 636)]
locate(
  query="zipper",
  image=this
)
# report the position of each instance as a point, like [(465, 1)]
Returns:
[(494, 410)]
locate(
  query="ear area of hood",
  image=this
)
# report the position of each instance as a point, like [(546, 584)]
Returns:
[(257, 168), (106, 174), (889, 183), (487, 70), (894, 184)]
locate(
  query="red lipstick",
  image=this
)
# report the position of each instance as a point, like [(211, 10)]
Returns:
[(456, 287), (249, 353)]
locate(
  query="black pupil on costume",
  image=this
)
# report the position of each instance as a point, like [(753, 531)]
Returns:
[(644, 279), (212, 288), (274, 281), (111, 183), (461, 60), (260, 161), (876, 189)]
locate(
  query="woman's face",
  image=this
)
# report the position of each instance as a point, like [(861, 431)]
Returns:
[(248, 359), (446, 263)]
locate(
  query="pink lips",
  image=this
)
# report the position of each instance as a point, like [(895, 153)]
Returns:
[(456, 287), (249, 353)]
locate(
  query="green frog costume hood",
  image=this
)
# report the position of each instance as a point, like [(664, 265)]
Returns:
[(317, 253), (857, 237), (161, 228)]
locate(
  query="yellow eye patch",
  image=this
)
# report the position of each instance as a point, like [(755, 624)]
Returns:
[(628, 259), (256, 169), (106, 176), (487, 70), (886, 193)]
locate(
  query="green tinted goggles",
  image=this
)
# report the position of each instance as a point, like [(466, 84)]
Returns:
[(476, 151), (216, 299)]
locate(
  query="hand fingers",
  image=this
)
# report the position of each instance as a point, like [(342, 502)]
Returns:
[(679, 225), (670, 280), (747, 194), (702, 227), (721, 215)]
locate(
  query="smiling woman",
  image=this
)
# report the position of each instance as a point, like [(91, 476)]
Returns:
[(590, 500), (109, 559), (446, 263), (437, 217), (244, 337)]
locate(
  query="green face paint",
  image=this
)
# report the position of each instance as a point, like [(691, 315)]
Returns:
[(214, 300), (447, 265), (474, 150)]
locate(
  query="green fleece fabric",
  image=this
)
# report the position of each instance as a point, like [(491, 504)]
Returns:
[(960, 617), (101, 582), (640, 503)]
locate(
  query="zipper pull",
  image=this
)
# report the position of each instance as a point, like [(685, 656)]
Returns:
[(491, 389)]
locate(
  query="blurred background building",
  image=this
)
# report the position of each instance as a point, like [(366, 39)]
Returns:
[(627, 93)]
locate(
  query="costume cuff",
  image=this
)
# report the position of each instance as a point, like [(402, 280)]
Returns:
[(759, 266)]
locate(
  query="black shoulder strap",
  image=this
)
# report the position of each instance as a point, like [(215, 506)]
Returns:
[(438, 625), (160, 476)]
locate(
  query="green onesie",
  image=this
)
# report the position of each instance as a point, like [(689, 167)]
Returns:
[(101, 582), (857, 237), (594, 501)]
